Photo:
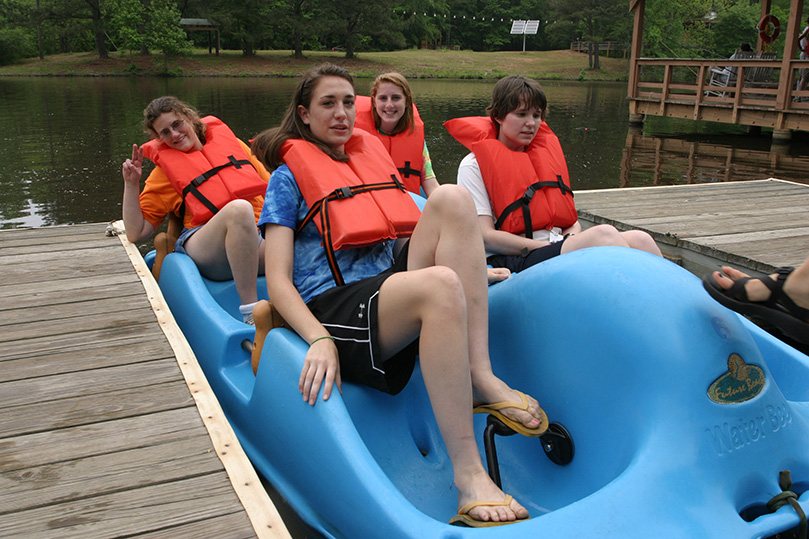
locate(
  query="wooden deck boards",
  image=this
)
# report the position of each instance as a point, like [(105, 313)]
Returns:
[(754, 225), (99, 433)]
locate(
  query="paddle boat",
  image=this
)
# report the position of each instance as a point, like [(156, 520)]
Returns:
[(683, 417)]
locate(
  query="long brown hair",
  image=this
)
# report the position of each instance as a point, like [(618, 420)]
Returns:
[(169, 103), (406, 121), (267, 144)]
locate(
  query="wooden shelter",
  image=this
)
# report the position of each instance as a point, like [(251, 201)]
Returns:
[(763, 94), (206, 25)]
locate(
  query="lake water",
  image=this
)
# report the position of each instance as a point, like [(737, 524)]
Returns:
[(64, 139)]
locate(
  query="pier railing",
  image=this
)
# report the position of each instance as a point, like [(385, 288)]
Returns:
[(763, 92)]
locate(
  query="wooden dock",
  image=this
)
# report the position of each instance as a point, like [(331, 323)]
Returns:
[(755, 226), (107, 426)]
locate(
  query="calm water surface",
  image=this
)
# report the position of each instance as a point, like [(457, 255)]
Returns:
[(64, 139)]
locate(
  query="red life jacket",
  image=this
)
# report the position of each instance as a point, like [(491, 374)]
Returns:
[(358, 203), (210, 178), (535, 181), (406, 148)]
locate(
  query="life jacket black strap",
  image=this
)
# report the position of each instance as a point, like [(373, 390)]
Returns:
[(524, 201), (321, 207), (193, 187), (408, 171)]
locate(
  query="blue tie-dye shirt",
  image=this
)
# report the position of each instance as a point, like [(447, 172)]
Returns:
[(284, 205)]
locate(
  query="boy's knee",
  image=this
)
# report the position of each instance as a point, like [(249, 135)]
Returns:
[(453, 197), (606, 235)]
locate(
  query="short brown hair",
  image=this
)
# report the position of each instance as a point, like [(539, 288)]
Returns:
[(514, 91)]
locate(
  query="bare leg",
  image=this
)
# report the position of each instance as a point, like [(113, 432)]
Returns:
[(605, 235), (431, 301), (227, 247), (448, 234)]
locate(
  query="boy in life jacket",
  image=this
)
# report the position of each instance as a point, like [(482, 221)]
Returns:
[(518, 178), (368, 325), (212, 180)]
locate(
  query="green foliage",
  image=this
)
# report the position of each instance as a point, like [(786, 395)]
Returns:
[(737, 25), (148, 25), (16, 44), (164, 31), (129, 19)]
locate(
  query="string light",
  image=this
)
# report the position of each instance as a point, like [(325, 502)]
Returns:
[(453, 16)]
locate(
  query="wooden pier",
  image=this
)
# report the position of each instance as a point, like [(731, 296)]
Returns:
[(755, 226), (107, 425)]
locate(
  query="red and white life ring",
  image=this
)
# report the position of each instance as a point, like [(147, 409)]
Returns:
[(769, 28)]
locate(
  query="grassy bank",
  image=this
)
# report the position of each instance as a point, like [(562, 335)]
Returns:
[(558, 65)]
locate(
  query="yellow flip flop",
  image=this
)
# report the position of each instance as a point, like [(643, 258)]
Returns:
[(494, 409), (463, 518)]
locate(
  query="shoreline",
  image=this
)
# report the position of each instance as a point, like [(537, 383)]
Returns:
[(412, 63)]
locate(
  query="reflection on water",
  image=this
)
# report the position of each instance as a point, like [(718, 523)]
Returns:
[(64, 138), (704, 157)]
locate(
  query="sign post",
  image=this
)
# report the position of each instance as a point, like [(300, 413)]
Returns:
[(524, 27)]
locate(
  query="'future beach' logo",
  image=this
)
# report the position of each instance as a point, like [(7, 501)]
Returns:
[(742, 382)]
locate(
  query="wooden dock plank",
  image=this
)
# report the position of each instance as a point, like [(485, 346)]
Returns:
[(48, 484), (83, 441), (88, 382), (88, 409), (754, 225), (82, 356), (103, 287), (41, 345), (100, 435), (130, 512)]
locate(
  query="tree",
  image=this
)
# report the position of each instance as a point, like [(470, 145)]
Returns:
[(97, 17), (594, 18), (144, 25), (352, 21), (163, 30)]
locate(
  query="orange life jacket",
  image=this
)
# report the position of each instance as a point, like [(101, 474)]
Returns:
[(535, 181), (354, 204), (210, 178), (406, 148)]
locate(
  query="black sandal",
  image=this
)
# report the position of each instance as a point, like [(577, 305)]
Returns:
[(779, 310)]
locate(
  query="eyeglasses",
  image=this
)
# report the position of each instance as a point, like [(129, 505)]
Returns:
[(175, 126)]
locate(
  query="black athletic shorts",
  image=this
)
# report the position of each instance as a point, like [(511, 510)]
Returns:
[(349, 314), (517, 263)]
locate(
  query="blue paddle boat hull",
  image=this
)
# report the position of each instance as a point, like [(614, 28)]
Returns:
[(682, 413)]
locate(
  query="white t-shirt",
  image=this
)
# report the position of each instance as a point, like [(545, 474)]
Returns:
[(469, 176)]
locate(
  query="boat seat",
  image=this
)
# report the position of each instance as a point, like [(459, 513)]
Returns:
[(164, 243), (266, 318)]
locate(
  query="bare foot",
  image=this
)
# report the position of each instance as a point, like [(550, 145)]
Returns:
[(497, 391), (757, 291), (480, 488)]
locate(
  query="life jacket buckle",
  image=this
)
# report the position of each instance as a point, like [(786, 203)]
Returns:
[(344, 192), (529, 193)]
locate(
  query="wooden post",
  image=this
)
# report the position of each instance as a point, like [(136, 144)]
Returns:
[(638, 6)]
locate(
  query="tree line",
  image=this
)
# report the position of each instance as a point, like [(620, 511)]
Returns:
[(674, 28)]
